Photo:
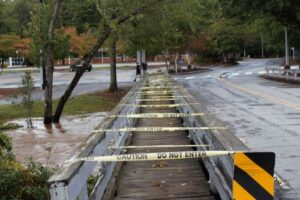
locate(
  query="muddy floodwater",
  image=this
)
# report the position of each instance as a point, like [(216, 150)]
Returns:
[(54, 144)]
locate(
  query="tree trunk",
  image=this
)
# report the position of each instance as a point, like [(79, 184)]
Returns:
[(113, 66), (87, 59), (50, 65)]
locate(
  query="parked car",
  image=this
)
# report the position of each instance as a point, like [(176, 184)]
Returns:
[(76, 66)]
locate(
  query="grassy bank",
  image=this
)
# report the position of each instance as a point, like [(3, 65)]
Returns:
[(82, 104)]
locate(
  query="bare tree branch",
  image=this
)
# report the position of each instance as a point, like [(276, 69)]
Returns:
[(138, 11), (107, 30)]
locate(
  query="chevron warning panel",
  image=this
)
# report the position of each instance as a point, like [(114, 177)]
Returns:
[(253, 176)]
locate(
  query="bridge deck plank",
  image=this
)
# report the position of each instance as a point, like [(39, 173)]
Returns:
[(174, 179)]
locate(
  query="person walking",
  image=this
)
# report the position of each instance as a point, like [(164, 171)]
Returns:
[(145, 66), (138, 71)]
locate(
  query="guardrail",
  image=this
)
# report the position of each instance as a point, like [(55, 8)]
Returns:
[(70, 180), (220, 169), (292, 75)]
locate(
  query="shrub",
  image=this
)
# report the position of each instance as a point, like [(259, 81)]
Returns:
[(21, 181), (25, 98)]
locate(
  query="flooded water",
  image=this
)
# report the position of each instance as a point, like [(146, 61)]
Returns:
[(54, 144)]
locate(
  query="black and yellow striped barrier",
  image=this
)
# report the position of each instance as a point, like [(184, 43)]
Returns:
[(253, 176)]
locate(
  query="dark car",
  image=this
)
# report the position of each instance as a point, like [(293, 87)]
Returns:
[(76, 66)]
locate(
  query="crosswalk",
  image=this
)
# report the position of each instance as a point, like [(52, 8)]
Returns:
[(247, 73), (228, 75)]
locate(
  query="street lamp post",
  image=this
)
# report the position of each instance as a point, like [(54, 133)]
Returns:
[(262, 47), (287, 59), (16, 60)]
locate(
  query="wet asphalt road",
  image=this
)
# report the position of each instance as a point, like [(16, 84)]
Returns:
[(264, 114), (64, 78), (96, 80)]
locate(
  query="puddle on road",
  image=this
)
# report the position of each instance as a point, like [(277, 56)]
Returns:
[(54, 144)]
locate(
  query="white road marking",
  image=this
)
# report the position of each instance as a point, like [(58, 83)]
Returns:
[(292, 67), (236, 74), (208, 76), (262, 72), (191, 77), (248, 73)]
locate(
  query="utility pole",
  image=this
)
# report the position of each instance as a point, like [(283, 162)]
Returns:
[(262, 46), (41, 53), (176, 64), (287, 59)]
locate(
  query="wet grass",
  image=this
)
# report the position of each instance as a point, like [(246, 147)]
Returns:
[(82, 104)]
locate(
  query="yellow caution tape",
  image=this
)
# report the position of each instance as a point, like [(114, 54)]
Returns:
[(159, 87), (157, 97), (162, 99), (156, 76), (157, 90), (156, 146), (158, 115), (159, 105), (158, 129), (155, 156), (162, 85), (159, 80), (154, 92)]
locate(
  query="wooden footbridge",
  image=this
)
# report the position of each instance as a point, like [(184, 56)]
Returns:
[(159, 144)]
